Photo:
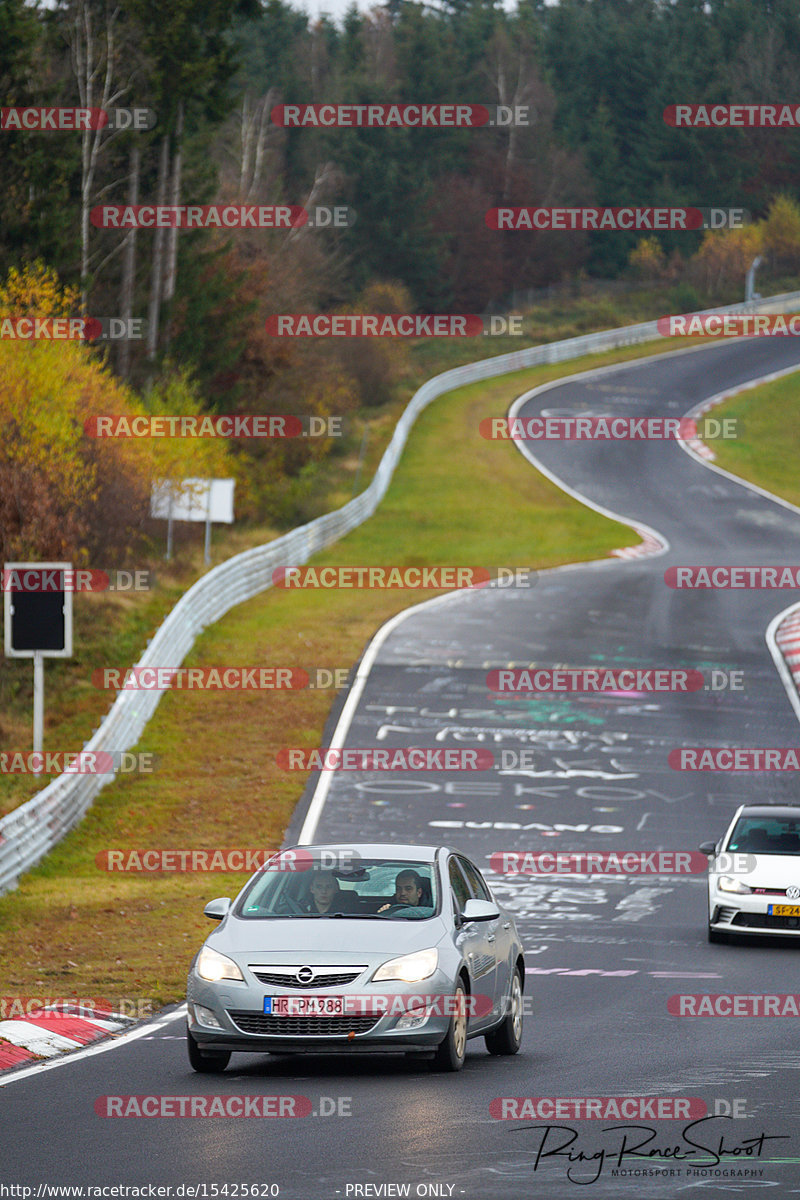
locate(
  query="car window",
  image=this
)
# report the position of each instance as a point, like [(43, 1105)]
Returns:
[(477, 887), (368, 891), (766, 835), (458, 885)]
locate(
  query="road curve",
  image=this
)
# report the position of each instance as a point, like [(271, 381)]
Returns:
[(603, 956)]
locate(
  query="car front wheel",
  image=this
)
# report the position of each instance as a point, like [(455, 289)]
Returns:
[(450, 1053), (507, 1038), (207, 1062)]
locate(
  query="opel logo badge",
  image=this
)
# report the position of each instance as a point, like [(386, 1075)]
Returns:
[(305, 975), (793, 892)]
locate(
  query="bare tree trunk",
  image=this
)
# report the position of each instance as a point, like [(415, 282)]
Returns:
[(508, 61), (174, 199), (157, 266), (129, 266), (87, 66), (255, 133), (326, 179)]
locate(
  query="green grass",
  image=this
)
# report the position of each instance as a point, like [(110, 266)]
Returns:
[(768, 449), (455, 498)]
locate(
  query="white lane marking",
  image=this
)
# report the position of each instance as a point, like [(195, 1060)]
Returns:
[(716, 399), (771, 634), (342, 727), (318, 799), (88, 1051)]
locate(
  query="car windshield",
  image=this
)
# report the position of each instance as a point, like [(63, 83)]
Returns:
[(766, 835), (382, 889)]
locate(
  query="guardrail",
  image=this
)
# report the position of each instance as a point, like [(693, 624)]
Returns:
[(30, 831)]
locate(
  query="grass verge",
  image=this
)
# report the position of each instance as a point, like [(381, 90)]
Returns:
[(768, 450), (71, 928)]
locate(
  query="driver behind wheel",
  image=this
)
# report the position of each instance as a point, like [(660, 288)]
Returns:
[(407, 890)]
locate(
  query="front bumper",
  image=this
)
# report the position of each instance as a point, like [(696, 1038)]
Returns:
[(244, 1027), (732, 913)]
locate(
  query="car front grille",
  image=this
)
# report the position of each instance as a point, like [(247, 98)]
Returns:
[(324, 979), (265, 1024), (763, 921)]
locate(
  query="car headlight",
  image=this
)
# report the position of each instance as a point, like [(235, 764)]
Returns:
[(213, 966), (729, 883), (410, 968)]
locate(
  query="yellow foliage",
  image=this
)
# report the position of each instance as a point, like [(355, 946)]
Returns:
[(725, 256), (61, 491), (647, 259), (781, 230)]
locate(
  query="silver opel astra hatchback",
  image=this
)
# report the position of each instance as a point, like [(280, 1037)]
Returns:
[(345, 949)]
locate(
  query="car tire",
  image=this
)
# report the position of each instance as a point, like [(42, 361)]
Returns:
[(507, 1038), (714, 935), (450, 1053), (207, 1062)]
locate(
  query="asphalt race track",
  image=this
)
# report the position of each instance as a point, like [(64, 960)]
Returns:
[(603, 955)]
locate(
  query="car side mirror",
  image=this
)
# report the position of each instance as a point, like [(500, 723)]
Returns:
[(480, 910), (709, 848), (217, 909)]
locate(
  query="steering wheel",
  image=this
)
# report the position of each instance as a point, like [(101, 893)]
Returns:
[(391, 907), (287, 904)]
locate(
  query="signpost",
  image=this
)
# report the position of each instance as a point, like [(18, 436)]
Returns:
[(38, 623), (204, 500)]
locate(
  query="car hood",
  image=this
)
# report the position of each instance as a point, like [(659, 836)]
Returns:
[(333, 936), (772, 871)]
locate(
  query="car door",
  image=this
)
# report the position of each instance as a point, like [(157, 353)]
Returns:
[(476, 940), (501, 927)]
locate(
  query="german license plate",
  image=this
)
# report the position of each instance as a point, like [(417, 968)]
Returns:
[(784, 910), (306, 1006)]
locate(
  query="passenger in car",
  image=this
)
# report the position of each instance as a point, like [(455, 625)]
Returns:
[(328, 896), (325, 893)]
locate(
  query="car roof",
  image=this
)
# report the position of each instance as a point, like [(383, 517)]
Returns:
[(771, 810), (378, 850)]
